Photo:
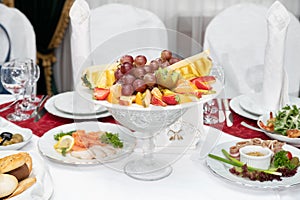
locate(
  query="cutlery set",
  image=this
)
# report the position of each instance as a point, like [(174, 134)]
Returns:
[(224, 114)]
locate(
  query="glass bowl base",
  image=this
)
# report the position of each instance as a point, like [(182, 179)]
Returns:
[(146, 170)]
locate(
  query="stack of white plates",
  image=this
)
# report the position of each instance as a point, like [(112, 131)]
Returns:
[(72, 106)]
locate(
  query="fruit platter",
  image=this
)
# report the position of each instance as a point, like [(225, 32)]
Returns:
[(165, 81)]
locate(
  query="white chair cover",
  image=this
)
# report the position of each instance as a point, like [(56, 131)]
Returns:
[(21, 33), (237, 39), (114, 30)]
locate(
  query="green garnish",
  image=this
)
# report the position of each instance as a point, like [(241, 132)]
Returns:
[(287, 118), (232, 161), (63, 151), (113, 139), (280, 159), (61, 134)]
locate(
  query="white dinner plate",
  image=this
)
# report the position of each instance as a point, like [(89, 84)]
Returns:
[(72, 103), (235, 106), (249, 103), (43, 188), (47, 141), (276, 136), (7, 126), (49, 105), (222, 170)]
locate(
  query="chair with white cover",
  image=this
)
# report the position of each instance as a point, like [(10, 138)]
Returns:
[(113, 30), (237, 38), (20, 31), (17, 36)]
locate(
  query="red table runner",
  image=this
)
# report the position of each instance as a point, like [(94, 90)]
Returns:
[(49, 121)]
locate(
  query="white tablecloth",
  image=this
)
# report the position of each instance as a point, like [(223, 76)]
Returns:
[(190, 179)]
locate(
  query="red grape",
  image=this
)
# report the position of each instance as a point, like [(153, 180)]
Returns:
[(165, 64), (154, 64), (118, 74), (126, 58), (139, 85), (150, 79), (125, 67), (140, 61), (148, 69), (128, 79), (173, 60), (127, 90), (166, 55), (138, 72)]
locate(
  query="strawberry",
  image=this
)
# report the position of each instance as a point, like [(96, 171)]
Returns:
[(170, 99), (207, 79), (201, 85), (101, 93), (157, 102)]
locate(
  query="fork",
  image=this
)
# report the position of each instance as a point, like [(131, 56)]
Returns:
[(35, 112)]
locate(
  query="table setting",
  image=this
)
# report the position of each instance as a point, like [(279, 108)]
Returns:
[(127, 130)]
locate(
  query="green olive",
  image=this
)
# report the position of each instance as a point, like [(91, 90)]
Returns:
[(17, 138), (7, 142), (295, 161)]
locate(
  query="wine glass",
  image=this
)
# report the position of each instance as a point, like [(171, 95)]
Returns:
[(30, 96), (210, 108), (14, 77)]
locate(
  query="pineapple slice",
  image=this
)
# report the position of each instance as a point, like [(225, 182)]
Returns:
[(194, 66)]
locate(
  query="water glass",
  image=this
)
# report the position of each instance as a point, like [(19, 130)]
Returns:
[(14, 77)]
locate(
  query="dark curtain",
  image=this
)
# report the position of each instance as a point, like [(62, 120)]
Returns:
[(44, 16)]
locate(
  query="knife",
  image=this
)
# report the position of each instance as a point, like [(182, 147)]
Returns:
[(221, 111), (40, 110), (228, 114)]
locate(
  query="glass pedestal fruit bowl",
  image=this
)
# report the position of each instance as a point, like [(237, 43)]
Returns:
[(146, 123)]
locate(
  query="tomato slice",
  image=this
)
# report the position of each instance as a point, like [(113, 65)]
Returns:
[(289, 155), (101, 93)]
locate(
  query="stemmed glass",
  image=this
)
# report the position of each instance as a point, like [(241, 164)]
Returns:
[(210, 108), (14, 77), (30, 97)]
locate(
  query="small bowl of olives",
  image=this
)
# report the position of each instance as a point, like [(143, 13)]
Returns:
[(12, 140)]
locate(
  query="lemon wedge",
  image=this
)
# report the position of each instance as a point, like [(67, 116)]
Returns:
[(64, 144)]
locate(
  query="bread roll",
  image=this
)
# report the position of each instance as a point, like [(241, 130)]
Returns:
[(15, 161), (8, 184), (20, 173), (22, 186)]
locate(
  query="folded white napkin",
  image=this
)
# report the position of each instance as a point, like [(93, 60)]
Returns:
[(275, 83), (80, 35)]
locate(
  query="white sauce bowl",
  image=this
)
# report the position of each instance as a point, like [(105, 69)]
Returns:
[(261, 162)]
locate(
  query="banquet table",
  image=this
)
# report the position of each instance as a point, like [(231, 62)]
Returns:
[(190, 179)]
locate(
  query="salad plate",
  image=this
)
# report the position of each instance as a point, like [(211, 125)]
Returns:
[(222, 170), (43, 188), (46, 143), (7, 126), (50, 107), (72, 103), (277, 136)]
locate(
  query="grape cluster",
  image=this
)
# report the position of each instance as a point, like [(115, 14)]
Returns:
[(135, 75)]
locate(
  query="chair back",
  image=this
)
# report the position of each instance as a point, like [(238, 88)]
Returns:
[(17, 36), (237, 39)]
